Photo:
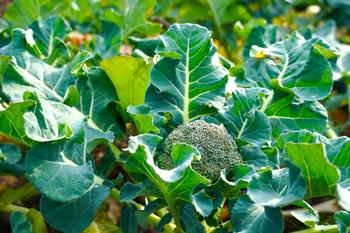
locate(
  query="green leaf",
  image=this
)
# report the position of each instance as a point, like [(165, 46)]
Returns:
[(242, 117), (310, 158), (203, 203), (343, 220), (27, 73), (108, 40), (130, 77), (58, 178), (186, 81), (175, 184), (277, 188), (128, 220), (309, 216), (147, 45), (144, 120), (23, 12), (246, 216), (20, 223), (242, 175), (258, 156), (288, 113), (130, 17), (12, 124), (49, 35), (189, 219), (65, 172), (42, 124), (262, 37), (9, 153), (130, 191), (295, 65), (76, 215), (165, 220)]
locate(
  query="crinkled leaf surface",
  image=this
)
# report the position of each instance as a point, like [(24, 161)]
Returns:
[(295, 64), (186, 81), (242, 117)]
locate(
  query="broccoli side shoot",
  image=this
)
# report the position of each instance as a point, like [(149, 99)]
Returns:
[(217, 148)]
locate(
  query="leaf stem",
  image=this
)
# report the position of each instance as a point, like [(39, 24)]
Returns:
[(152, 219), (9, 208), (266, 102), (174, 212), (320, 229), (331, 134)]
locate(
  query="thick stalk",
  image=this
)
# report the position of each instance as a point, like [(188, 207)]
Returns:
[(174, 213), (320, 229)]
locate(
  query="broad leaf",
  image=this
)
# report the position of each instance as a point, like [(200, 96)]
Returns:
[(65, 172), (288, 113), (130, 77), (186, 82), (23, 12), (76, 215), (310, 158), (49, 35), (58, 178), (130, 17), (294, 64), (242, 117), (278, 188), (253, 218)]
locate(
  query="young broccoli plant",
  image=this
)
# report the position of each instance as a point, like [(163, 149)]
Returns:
[(239, 151)]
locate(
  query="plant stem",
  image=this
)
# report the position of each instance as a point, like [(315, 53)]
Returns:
[(9, 208), (24, 192), (174, 213), (266, 102), (331, 134), (320, 229), (152, 219)]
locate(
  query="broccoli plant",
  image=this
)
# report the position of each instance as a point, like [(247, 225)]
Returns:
[(114, 121)]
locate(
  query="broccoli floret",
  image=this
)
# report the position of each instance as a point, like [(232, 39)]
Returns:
[(217, 148)]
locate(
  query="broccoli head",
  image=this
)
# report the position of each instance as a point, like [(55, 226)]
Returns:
[(217, 148)]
